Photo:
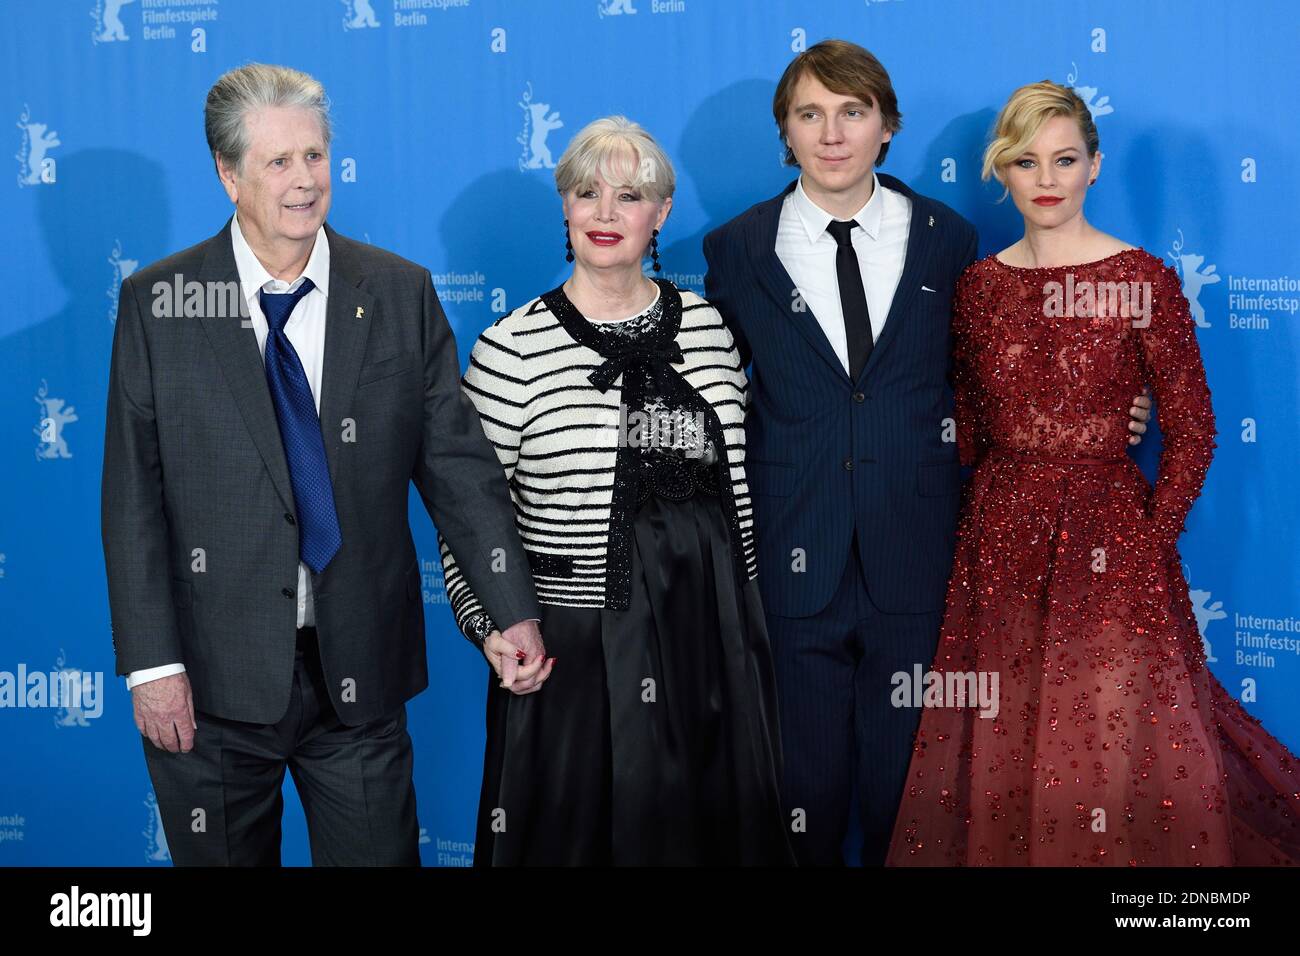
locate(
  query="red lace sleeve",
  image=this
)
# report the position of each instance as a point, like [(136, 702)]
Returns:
[(973, 437), (1172, 364)]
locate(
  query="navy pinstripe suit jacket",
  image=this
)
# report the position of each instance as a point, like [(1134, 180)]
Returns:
[(826, 454)]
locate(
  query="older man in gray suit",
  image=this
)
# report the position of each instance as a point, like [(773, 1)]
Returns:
[(273, 391)]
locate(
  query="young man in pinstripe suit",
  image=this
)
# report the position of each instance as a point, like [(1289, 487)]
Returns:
[(838, 292)]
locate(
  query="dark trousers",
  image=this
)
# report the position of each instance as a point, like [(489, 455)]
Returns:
[(221, 802), (839, 730)]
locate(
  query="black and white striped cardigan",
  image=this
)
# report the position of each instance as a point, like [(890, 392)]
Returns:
[(557, 435)]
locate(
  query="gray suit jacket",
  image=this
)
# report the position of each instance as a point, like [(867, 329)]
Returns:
[(198, 515)]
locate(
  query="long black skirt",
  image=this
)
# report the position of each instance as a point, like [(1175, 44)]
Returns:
[(655, 739)]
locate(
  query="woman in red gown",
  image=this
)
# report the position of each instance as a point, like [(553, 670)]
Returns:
[(1111, 742)]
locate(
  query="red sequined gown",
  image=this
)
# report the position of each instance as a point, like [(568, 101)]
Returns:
[(1112, 743)]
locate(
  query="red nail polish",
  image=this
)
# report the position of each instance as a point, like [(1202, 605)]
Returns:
[(520, 655)]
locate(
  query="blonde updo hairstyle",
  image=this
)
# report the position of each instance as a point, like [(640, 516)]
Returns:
[(1024, 115)]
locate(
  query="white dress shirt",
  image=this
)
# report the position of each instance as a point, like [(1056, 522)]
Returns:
[(306, 332), (807, 251)]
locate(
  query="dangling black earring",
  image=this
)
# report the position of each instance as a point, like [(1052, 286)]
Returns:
[(568, 246), (654, 249)]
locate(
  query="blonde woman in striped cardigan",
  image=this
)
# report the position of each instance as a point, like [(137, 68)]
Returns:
[(616, 404)]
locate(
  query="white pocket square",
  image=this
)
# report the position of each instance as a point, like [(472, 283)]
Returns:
[(926, 288)]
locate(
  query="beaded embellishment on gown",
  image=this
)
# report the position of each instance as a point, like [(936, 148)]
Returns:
[(1111, 742)]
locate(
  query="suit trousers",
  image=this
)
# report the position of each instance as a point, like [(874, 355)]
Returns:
[(221, 803), (840, 731)]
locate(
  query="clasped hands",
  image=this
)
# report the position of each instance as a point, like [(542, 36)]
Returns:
[(519, 657)]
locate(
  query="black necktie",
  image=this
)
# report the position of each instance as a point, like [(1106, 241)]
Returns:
[(853, 298)]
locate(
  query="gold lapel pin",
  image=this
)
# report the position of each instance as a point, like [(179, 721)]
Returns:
[(362, 312)]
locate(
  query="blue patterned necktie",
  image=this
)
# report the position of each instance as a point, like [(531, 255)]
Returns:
[(319, 538)]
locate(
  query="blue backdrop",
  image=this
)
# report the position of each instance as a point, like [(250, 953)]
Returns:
[(449, 115)]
